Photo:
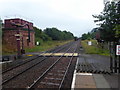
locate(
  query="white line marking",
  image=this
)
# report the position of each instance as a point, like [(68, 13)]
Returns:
[(74, 76), (83, 73)]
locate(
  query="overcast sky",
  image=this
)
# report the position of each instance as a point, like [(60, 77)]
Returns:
[(70, 15)]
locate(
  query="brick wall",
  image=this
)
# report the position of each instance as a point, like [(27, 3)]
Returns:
[(9, 32)]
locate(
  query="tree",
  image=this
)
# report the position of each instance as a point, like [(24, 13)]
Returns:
[(117, 33), (0, 28), (56, 34), (108, 20), (86, 36), (40, 35)]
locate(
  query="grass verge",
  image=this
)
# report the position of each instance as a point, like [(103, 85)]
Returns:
[(43, 47), (94, 49), (46, 46)]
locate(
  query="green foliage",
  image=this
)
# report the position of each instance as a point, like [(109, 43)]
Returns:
[(108, 19), (46, 46), (45, 40), (84, 36), (94, 49), (90, 35), (40, 35), (56, 34), (0, 28), (52, 34), (39, 40), (117, 33)]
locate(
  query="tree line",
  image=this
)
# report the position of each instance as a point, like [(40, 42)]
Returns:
[(56, 34), (90, 35), (108, 22), (52, 34)]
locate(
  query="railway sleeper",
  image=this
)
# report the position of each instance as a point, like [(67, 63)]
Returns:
[(50, 83), (53, 78), (55, 74), (61, 71)]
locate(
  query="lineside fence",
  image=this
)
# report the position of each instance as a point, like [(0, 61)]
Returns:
[(114, 58)]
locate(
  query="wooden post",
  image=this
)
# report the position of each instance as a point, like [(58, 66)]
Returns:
[(119, 64), (115, 58), (119, 57), (111, 61)]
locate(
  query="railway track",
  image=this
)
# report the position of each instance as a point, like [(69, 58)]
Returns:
[(7, 82), (59, 48), (16, 71), (54, 76)]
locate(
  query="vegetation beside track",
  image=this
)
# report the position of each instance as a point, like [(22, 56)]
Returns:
[(46, 45), (94, 48), (47, 39)]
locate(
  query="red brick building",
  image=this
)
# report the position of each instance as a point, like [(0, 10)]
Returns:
[(10, 31)]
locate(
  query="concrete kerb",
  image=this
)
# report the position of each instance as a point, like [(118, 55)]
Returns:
[(74, 76)]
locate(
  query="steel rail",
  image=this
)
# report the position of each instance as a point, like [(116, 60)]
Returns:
[(20, 65), (65, 45), (67, 69), (32, 59), (24, 71), (41, 76)]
